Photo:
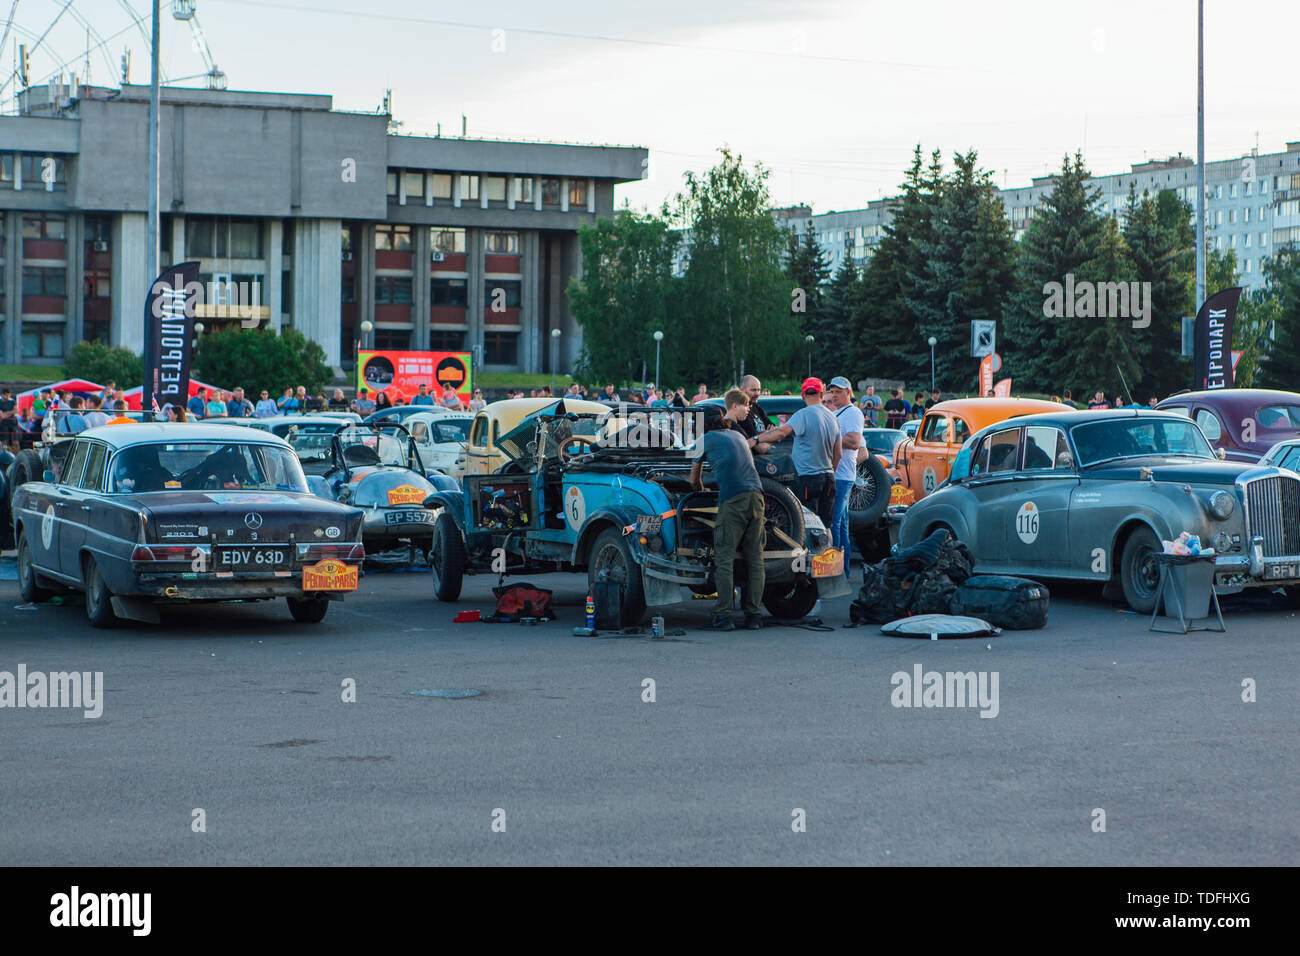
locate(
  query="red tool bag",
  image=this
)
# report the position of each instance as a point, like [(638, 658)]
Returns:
[(522, 600)]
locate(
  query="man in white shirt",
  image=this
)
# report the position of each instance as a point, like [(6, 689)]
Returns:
[(839, 399)]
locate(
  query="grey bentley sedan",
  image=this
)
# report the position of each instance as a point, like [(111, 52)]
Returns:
[(1091, 495), (170, 513)]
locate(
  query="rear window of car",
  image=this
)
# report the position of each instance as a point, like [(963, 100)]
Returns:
[(205, 466), (1278, 418)]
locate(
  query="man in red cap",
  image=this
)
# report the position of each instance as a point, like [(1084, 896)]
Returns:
[(817, 450)]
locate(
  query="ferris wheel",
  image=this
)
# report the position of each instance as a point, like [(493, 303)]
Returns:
[(91, 40)]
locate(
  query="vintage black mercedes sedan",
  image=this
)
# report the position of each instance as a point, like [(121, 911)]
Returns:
[(154, 514), (1091, 495)]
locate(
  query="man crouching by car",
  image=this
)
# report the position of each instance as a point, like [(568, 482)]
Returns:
[(740, 509)]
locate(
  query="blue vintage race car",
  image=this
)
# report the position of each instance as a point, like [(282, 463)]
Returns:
[(610, 494)]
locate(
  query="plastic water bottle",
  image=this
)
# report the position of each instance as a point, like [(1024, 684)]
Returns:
[(656, 627), (591, 611)]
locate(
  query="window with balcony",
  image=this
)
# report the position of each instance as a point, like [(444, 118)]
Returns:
[(392, 238)]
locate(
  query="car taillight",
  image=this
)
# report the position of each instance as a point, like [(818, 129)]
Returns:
[(162, 552)]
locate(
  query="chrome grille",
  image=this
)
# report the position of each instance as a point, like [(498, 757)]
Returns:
[(1273, 509)]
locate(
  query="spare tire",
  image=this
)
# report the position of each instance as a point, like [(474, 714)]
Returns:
[(869, 496), (28, 466), (782, 509)]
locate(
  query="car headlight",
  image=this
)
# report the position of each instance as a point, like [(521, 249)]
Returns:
[(1222, 505)]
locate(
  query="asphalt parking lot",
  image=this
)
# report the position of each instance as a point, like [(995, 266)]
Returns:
[(237, 712)]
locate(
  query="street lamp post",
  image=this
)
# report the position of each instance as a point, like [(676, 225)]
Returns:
[(555, 356), (933, 343), (809, 340), (659, 337)]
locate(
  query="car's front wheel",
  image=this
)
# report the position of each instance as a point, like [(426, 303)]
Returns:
[(791, 601), (99, 599), (612, 560), (1139, 575), (308, 610), (447, 558)]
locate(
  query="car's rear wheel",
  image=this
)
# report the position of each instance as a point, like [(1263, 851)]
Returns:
[(99, 599), (308, 610), (28, 589), (611, 557), (792, 600), (1138, 573), (781, 509), (447, 558), (869, 496)]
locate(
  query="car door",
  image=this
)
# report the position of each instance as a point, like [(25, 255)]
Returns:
[(85, 508), (928, 459), (68, 501), (993, 470), (1039, 530), (476, 453)]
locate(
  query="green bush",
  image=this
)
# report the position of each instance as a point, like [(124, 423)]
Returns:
[(259, 359), (97, 362)]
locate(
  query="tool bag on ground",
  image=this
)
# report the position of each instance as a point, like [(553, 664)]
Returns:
[(1016, 604), (522, 600), (916, 580)]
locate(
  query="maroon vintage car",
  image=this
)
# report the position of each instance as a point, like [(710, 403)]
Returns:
[(1244, 422)]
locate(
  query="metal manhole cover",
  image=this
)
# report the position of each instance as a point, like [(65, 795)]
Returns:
[(446, 692)]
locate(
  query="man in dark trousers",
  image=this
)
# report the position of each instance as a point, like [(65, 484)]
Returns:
[(817, 450), (740, 509)]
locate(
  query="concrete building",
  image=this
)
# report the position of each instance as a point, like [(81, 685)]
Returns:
[(1252, 207), (318, 219)]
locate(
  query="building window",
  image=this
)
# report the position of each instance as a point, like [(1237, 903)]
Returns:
[(499, 295), (1248, 185), (1218, 192), (550, 192), (524, 189), (245, 239), (495, 187), (47, 282), (34, 169), (392, 290), (447, 239), (577, 192), (1245, 214), (392, 184), (441, 340), (1263, 239), (1248, 266), (347, 293), (208, 238), (449, 292), (468, 186), (398, 339), (389, 237), (42, 340), (440, 183), (46, 226), (1218, 217), (414, 184), (1248, 238), (1232, 215), (501, 243), (7, 170), (500, 348)]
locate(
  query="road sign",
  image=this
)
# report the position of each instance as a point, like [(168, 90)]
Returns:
[(983, 337)]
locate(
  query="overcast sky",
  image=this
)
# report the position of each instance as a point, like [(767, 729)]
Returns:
[(830, 96)]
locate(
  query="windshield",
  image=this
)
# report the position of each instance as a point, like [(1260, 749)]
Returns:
[(310, 442), (883, 440), (440, 432), (206, 466), (374, 446), (1137, 438), (514, 444)]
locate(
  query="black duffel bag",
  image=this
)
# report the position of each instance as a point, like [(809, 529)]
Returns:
[(1016, 604)]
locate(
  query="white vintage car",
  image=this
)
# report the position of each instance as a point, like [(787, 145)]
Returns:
[(441, 435)]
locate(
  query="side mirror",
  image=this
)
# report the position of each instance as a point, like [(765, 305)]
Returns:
[(1221, 454), (49, 477)]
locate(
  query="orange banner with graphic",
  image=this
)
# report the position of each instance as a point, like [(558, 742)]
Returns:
[(330, 575), (399, 374)]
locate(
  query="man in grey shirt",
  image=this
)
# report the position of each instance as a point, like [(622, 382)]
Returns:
[(817, 450), (740, 509)]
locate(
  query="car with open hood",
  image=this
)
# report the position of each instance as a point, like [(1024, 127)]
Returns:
[(607, 492), (1092, 495), (167, 513)]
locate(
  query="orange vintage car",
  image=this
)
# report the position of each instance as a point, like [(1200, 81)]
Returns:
[(921, 464)]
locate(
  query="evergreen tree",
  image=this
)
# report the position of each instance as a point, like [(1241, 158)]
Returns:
[(1280, 367), (1155, 253), (840, 305), (1109, 348), (807, 267), (1064, 236)]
